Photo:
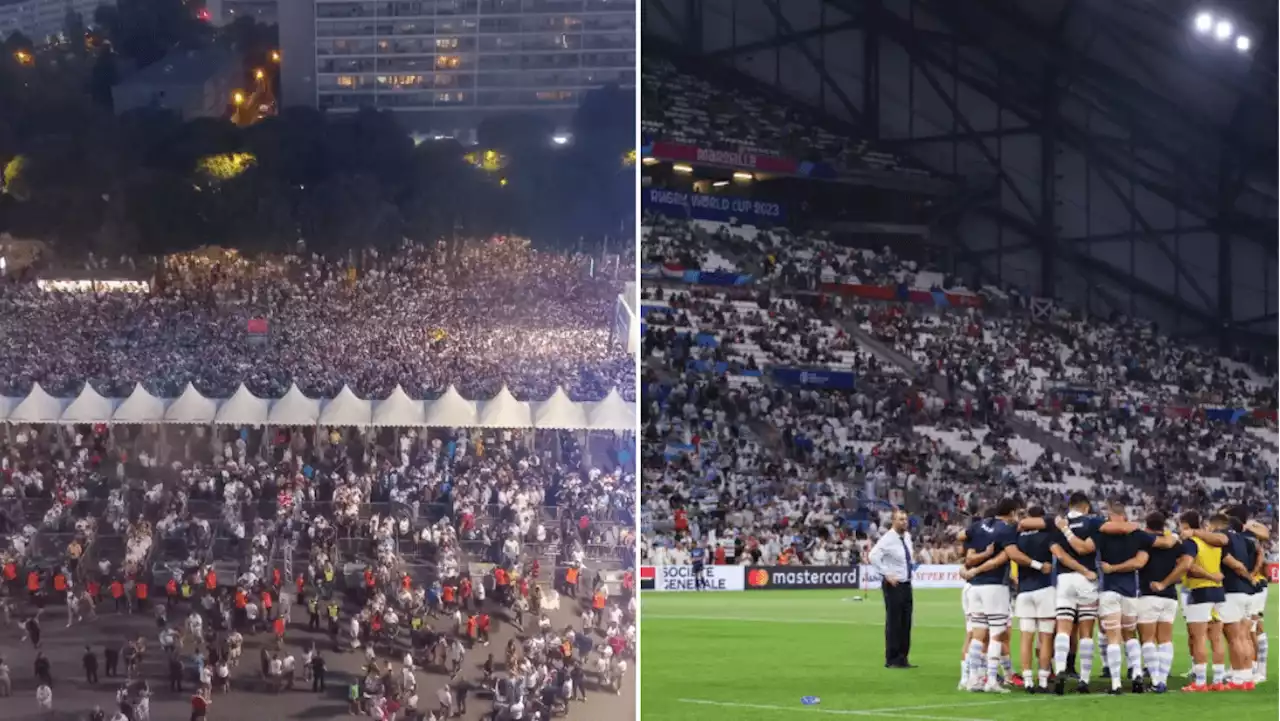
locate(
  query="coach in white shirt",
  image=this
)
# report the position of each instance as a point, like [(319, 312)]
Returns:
[(892, 557)]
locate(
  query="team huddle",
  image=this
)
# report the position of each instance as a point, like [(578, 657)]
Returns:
[(1076, 572)]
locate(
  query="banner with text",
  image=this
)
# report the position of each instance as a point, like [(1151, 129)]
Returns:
[(775, 578), (744, 159), (718, 208), (842, 380), (682, 578), (922, 576)]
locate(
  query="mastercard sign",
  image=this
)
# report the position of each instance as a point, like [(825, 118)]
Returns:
[(801, 577)]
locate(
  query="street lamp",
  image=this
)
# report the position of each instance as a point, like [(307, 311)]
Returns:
[(275, 56), (238, 98), (258, 74), (23, 57)]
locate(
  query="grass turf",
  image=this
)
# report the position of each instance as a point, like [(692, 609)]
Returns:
[(752, 656)]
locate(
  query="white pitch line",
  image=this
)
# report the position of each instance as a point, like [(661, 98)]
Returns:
[(837, 712), (896, 711), (810, 621)]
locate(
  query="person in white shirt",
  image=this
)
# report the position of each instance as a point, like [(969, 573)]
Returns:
[(44, 697), (892, 559)]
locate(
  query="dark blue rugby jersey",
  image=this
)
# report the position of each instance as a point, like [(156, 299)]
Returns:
[(1116, 550), (1036, 545), (1000, 534), (1245, 550), (1084, 527), (1160, 565)]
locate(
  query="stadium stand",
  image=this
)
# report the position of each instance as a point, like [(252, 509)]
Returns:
[(964, 393)]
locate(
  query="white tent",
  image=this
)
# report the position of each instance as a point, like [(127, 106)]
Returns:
[(451, 410), (140, 407), (559, 412), (399, 410), (243, 408), (346, 410), (295, 409), (90, 407), (7, 404), (504, 411), (612, 414), (38, 407), (191, 407)]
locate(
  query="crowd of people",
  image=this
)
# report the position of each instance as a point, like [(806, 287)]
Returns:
[(476, 315), (411, 546), (945, 432)]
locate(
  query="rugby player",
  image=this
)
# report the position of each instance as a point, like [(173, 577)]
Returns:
[(1260, 581), (1204, 598), (1239, 560), (1034, 604), (1121, 556), (989, 597), (1076, 599), (1158, 600)]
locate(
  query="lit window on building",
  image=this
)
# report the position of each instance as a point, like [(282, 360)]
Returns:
[(448, 62), (446, 43)]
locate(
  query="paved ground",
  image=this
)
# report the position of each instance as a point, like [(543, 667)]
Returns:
[(248, 699)]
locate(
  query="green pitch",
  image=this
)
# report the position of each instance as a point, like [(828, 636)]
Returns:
[(751, 656)]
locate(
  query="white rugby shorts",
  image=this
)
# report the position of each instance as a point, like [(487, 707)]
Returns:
[(1111, 603), (1075, 594), (1203, 612), (1258, 602), (1236, 608), (1157, 609), (1036, 604), (989, 604)]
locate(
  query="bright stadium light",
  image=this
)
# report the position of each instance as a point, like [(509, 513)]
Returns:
[(560, 139), (720, 183), (682, 168), (1223, 30), (1243, 43), (1204, 22)]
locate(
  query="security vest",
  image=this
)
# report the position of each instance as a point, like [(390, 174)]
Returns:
[(171, 587), (60, 583), (328, 575), (312, 606), (415, 623), (571, 576), (186, 590), (211, 580), (33, 582), (140, 590), (333, 610), (598, 602)]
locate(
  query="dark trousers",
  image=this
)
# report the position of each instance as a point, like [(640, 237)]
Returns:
[(897, 622), (317, 682), (91, 675)]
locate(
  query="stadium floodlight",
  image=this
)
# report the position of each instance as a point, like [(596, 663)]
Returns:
[(1243, 43), (1223, 30), (1204, 22), (560, 139), (682, 168), (720, 183), (742, 177), (649, 160)]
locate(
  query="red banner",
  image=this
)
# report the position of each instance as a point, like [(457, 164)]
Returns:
[(257, 326), (743, 159), (1273, 573)]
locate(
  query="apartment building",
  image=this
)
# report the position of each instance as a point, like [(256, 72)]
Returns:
[(448, 64)]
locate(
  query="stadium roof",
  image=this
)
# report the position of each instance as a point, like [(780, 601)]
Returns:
[(1123, 97)]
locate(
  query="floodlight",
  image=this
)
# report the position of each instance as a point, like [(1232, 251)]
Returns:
[(1243, 43), (1223, 30), (1204, 22), (682, 168), (560, 139)]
